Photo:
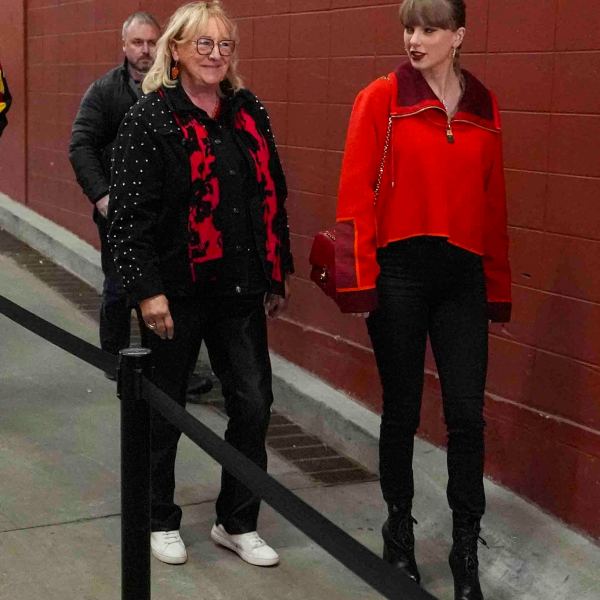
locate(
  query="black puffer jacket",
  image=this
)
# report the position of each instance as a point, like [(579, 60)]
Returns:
[(95, 128), (151, 194)]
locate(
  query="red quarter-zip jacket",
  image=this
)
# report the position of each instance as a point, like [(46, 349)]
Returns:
[(441, 178)]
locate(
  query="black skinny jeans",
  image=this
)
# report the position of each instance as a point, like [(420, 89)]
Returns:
[(234, 330), (428, 286)]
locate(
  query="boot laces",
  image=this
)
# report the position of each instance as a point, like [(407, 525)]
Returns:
[(467, 543), (401, 526)]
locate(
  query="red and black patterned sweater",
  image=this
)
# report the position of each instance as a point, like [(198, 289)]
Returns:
[(164, 198)]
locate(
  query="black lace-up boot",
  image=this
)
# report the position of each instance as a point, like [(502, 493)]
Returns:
[(463, 558), (399, 542)]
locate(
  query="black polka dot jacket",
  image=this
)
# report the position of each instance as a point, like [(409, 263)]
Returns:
[(165, 187)]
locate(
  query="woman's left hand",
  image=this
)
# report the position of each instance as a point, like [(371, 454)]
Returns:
[(276, 304), (156, 315)]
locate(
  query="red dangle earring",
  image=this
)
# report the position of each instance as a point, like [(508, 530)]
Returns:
[(175, 70)]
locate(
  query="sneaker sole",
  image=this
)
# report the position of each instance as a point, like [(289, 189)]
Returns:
[(216, 537), (170, 560)]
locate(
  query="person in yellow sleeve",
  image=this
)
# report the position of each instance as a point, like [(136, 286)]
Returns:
[(5, 100)]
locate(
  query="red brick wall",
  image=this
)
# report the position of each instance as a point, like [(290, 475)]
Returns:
[(307, 59)]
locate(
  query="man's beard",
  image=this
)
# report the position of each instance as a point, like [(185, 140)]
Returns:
[(143, 65)]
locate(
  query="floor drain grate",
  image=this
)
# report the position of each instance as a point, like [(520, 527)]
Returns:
[(84, 296), (308, 453)]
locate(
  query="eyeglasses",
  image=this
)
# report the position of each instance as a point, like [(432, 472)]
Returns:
[(205, 46)]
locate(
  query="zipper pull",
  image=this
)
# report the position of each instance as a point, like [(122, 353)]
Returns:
[(449, 133)]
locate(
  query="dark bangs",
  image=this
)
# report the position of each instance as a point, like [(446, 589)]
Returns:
[(428, 13)]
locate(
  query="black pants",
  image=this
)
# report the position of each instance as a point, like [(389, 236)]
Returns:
[(427, 286), (234, 330), (115, 312)]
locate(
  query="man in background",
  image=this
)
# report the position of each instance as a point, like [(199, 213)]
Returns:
[(95, 128), (5, 100)]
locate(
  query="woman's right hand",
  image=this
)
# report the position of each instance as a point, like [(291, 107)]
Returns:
[(156, 315)]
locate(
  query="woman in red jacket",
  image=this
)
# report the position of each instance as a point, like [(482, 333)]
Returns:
[(432, 252)]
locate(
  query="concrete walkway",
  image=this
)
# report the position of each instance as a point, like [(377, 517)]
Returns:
[(59, 497)]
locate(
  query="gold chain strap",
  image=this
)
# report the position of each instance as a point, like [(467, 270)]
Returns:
[(388, 136)]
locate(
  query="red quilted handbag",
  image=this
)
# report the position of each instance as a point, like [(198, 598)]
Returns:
[(332, 261), (322, 260), (332, 256)]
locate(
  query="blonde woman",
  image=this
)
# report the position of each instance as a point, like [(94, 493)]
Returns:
[(199, 232)]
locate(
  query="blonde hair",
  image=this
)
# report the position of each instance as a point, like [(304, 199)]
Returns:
[(184, 23)]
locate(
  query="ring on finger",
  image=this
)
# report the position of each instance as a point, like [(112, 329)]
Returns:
[(151, 325)]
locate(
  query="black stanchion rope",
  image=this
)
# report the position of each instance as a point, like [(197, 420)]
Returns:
[(59, 337), (381, 576), (384, 578)]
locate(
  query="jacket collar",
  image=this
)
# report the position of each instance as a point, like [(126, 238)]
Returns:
[(124, 70), (414, 95), (178, 101)]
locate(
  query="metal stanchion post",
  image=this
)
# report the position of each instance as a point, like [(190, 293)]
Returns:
[(135, 476)]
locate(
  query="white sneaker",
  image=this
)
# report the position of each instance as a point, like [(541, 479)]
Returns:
[(249, 546), (168, 547)]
